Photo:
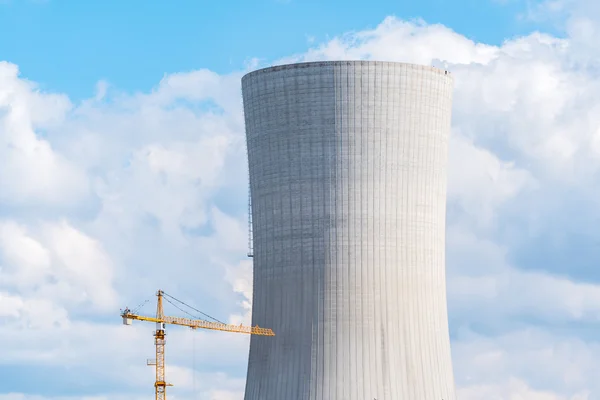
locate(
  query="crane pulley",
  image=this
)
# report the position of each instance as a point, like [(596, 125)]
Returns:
[(161, 320)]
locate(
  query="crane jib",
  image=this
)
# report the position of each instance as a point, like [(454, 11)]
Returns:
[(159, 335)]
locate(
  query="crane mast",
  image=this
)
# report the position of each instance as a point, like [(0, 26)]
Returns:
[(161, 320), (159, 341)]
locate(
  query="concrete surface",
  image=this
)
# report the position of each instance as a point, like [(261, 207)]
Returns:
[(348, 185)]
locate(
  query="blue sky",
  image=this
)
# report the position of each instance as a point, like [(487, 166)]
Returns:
[(70, 45), (126, 172)]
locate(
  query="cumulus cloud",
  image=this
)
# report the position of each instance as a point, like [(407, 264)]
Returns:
[(122, 194), (513, 389), (32, 172), (568, 365), (135, 178), (479, 182), (403, 41), (483, 284), (240, 277), (50, 271)]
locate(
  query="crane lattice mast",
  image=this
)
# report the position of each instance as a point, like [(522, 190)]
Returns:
[(161, 320)]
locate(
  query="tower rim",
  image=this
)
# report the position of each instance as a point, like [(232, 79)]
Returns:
[(308, 64)]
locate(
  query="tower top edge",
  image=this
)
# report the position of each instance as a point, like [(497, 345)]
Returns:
[(313, 64)]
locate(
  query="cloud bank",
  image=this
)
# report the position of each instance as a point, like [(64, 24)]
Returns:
[(104, 201)]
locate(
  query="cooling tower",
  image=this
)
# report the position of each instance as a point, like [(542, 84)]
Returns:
[(347, 168)]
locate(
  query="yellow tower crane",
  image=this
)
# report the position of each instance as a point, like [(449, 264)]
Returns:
[(159, 335)]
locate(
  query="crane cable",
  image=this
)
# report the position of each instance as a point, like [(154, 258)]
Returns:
[(187, 305), (167, 297), (135, 310), (180, 309)]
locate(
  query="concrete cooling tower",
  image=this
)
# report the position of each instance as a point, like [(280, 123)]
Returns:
[(348, 188)]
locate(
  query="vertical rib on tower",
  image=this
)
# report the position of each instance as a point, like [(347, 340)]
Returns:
[(348, 185)]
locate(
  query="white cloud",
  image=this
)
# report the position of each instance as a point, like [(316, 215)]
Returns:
[(32, 172), (152, 192), (10, 306), (484, 286), (154, 164), (526, 362), (60, 266), (240, 278), (24, 256), (84, 264), (513, 389), (397, 40), (171, 184), (480, 182)]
